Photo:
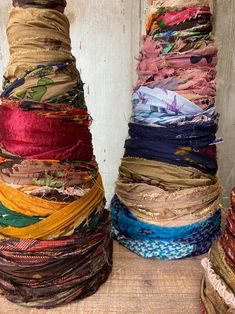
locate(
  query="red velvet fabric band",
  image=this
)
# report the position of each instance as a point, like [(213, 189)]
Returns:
[(60, 111), (36, 137)]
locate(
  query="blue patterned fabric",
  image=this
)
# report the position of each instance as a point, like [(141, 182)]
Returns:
[(151, 241)]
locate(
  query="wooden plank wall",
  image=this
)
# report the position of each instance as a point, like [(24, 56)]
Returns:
[(105, 36), (225, 25)]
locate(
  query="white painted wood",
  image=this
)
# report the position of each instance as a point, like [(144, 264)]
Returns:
[(105, 36), (225, 24), (4, 54)]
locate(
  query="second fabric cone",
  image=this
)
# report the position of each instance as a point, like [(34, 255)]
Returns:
[(54, 230), (167, 194)]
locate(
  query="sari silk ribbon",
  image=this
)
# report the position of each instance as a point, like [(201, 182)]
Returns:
[(47, 172), (150, 241), (162, 106), (167, 176), (212, 302), (49, 273), (55, 238), (58, 5), (178, 13), (125, 222), (64, 112), (14, 219), (221, 265), (35, 137), (217, 288), (167, 195), (153, 200), (67, 217), (233, 198), (218, 284), (193, 134), (202, 158)]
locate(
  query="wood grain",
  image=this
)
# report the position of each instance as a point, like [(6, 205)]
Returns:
[(225, 24), (136, 286)]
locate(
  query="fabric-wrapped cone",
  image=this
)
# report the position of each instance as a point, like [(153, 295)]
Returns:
[(54, 229), (166, 202)]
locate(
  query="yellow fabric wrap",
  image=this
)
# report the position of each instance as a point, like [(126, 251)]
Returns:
[(25, 204), (64, 218)]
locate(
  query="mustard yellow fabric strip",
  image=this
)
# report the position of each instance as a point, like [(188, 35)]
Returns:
[(29, 205), (64, 220)]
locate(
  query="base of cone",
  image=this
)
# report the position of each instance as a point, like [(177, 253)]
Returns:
[(163, 250)]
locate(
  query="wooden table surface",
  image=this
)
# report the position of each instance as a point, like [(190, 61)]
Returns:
[(136, 286)]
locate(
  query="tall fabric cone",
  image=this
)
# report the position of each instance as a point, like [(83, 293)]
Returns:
[(166, 203), (55, 243), (218, 283)]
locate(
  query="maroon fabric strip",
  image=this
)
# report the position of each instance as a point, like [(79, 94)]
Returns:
[(36, 137), (58, 5)]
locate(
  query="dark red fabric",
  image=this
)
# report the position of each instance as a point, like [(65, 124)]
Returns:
[(210, 151), (58, 5), (60, 111), (233, 198), (231, 221), (228, 243), (36, 137), (203, 310)]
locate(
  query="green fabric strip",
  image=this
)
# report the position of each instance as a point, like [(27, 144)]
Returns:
[(14, 219)]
